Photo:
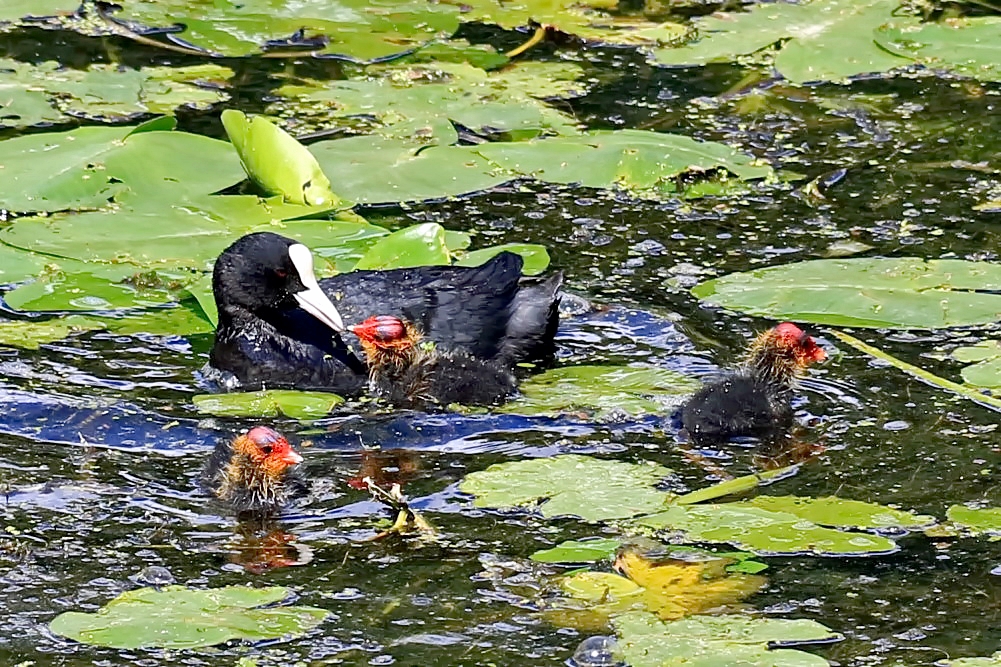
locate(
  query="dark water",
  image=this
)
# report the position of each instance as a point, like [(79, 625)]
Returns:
[(100, 446)]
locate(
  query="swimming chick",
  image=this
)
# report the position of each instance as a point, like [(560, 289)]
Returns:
[(255, 472), (409, 372), (755, 398)]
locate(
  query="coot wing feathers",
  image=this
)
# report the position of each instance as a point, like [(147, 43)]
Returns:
[(468, 308)]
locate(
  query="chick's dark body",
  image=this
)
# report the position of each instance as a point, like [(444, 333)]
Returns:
[(737, 405), (439, 378)]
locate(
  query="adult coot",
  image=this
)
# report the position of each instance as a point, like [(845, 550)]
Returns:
[(279, 327)]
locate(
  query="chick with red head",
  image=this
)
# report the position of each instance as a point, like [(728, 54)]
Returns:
[(255, 472), (411, 373), (755, 398)]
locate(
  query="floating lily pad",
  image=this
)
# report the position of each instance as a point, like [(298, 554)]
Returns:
[(601, 548), (17, 264), (47, 93), (358, 29), (179, 320), (970, 47), (388, 170), (536, 256), (301, 405), (424, 100), (709, 641), (736, 485), (762, 531), (605, 390), (671, 590), (86, 167), (417, 245), (593, 489), (822, 40), (640, 161), (67, 284), (14, 10), (177, 617), (276, 162), (993, 661), (579, 551), (985, 521), (31, 335), (592, 20), (843, 513), (904, 293), (985, 363)]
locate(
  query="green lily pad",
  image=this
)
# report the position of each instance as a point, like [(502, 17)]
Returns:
[(358, 29), (32, 335), (424, 100), (276, 162), (179, 320), (737, 485), (177, 617), (593, 489), (710, 641), (822, 40), (640, 161), (14, 10), (985, 363), (993, 661), (301, 405), (48, 93), (387, 170), (843, 513), (605, 390), (17, 264), (417, 245), (579, 551), (970, 47), (591, 20), (67, 284), (602, 548), (536, 256), (86, 167), (762, 531), (904, 293), (985, 521)]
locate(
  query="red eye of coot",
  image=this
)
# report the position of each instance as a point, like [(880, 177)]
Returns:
[(281, 273)]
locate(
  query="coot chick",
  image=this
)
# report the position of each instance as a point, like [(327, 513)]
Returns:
[(754, 399), (411, 373), (254, 473), (278, 326)]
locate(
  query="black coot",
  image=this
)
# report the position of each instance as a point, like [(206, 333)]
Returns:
[(279, 327)]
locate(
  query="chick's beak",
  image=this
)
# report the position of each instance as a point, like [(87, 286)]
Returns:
[(291, 457)]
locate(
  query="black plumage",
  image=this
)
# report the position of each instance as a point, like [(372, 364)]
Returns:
[(265, 338), (412, 373), (755, 399)]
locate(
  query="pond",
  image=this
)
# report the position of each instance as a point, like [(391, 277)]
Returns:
[(101, 444)]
